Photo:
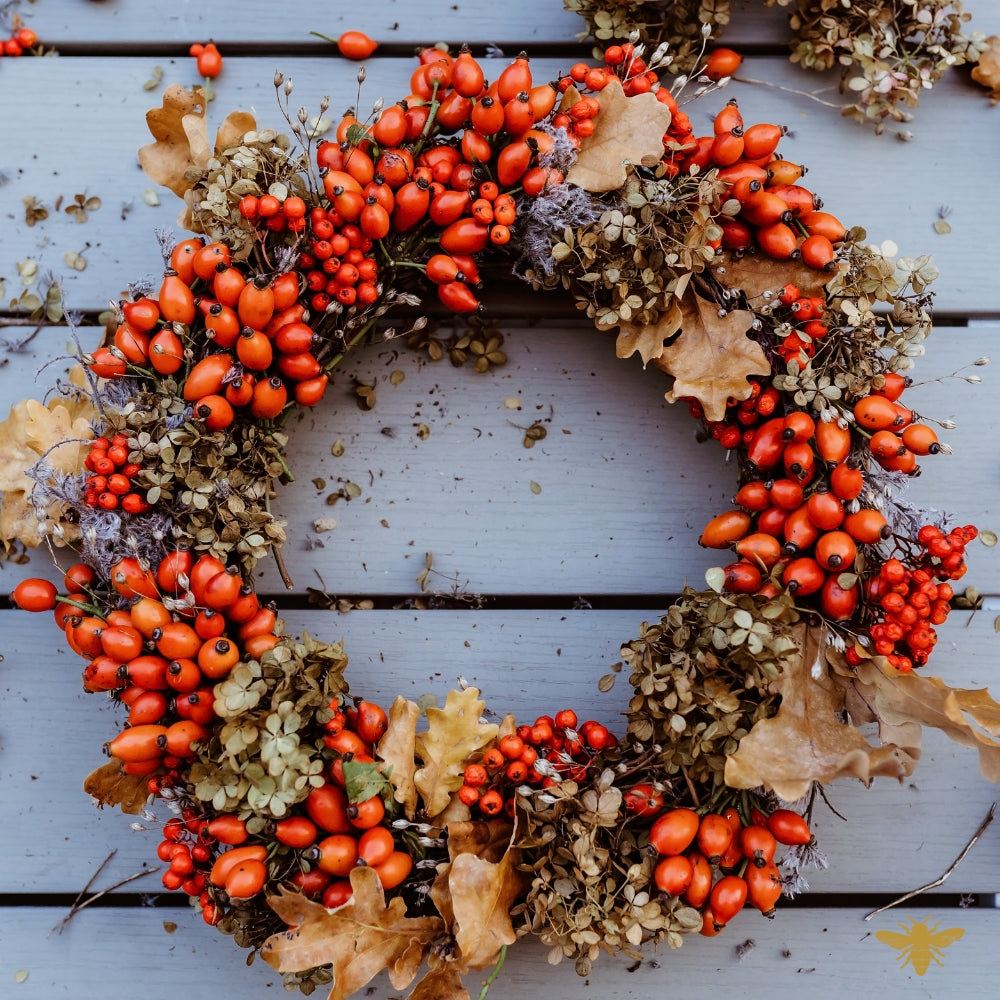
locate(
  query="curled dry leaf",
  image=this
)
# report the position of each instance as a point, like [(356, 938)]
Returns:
[(648, 340), (987, 71), (806, 740), (453, 734), (59, 432), (476, 890), (182, 149), (970, 717), (359, 939), (397, 748), (109, 785), (712, 357), (628, 130)]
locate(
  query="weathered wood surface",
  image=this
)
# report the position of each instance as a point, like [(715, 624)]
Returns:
[(398, 24), (625, 488), (822, 954), (527, 662), (623, 496), (894, 190)]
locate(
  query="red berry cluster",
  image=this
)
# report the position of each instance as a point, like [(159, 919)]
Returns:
[(736, 429), (338, 264), (111, 486), (803, 316), (551, 750), (20, 41), (914, 598)]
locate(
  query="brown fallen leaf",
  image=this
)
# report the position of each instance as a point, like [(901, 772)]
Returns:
[(440, 983), (755, 274), (712, 357), (806, 740), (182, 149), (453, 734), (628, 130), (987, 71), (969, 717), (648, 340), (477, 889), (31, 431), (397, 748), (111, 786), (359, 939)]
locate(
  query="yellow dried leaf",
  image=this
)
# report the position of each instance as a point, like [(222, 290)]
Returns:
[(111, 786), (359, 939), (453, 734), (648, 340), (59, 432), (397, 748), (627, 130), (806, 740), (987, 71), (712, 357), (181, 148)]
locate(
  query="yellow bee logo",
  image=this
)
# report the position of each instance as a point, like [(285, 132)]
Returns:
[(919, 944)]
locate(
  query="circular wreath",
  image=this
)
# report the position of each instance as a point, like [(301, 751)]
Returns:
[(316, 826)]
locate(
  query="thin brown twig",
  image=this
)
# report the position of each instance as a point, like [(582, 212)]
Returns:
[(940, 881), (79, 903), (691, 788)]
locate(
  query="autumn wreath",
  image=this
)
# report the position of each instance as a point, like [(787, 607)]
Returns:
[(338, 838)]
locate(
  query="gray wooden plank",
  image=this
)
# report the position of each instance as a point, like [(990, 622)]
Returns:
[(625, 488), (893, 189), (120, 23), (526, 662), (824, 954)]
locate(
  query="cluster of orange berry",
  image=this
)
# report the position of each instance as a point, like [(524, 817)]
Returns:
[(250, 332), (913, 598), (111, 486), (895, 440), (21, 40), (717, 864), (793, 530), (552, 749)]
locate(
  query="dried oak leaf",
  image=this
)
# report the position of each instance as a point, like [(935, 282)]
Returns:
[(397, 748), (648, 340), (453, 734), (712, 357), (359, 939), (806, 741), (627, 130), (987, 71), (182, 148), (31, 431), (440, 983), (968, 716), (477, 888), (755, 274), (111, 786)]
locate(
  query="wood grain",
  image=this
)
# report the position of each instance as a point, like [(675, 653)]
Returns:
[(625, 488), (895, 191), (823, 954), (527, 662)]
